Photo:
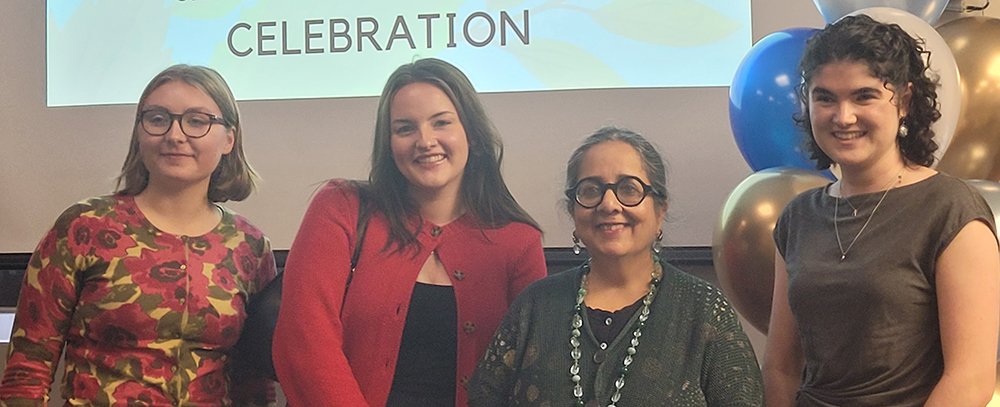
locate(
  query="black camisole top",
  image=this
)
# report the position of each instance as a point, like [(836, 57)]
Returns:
[(427, 363)]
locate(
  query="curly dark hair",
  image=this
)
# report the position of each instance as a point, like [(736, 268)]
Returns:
[(892, 56)]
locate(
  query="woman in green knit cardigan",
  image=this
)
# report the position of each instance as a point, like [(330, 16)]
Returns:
[(625, 328)]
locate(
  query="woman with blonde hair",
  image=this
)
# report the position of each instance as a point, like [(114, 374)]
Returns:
[(145, 289)]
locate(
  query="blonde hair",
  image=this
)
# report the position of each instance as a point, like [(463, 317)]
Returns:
[(233, 178)]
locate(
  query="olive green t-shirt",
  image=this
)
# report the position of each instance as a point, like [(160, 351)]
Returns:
[(869, 323)]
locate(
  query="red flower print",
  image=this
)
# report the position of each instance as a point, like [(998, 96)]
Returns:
[(109, 243), (102, 237), (21, 371), (245, 261), (198, 296), (156, 366), (95, 289), (84, 385), (33, 313), (123, 327), (169, 272), (221, 330), (159, 273), (209, 386), (47, 247), (126, 212), (154, 316), (41, 308), (134, 394), (266, 272), (224, 279), (248, 230), (59, 286), (79, 236), (208, 248)]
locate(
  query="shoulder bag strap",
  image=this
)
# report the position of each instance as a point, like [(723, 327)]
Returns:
[(363, 212)]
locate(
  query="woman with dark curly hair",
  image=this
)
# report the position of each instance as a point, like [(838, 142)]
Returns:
[(886, 281)]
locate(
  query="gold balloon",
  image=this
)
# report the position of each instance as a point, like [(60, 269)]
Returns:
[(991, 193), (742, 243), (974, 152)]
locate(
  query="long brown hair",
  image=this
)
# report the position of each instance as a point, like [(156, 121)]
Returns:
[(483, 189)]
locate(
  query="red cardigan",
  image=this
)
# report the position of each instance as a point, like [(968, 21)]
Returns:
[(323, 360)]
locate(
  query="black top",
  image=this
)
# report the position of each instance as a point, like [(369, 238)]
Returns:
[(869, 323), (607, 324), (425, 370)]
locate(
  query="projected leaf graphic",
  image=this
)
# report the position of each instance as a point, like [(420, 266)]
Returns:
[(203, 10), (557, 64), (104, 51), (502, 4), (85, 60), (674, 23)]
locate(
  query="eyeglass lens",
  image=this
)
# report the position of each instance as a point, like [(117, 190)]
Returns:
[(629, 191), (193, 124)]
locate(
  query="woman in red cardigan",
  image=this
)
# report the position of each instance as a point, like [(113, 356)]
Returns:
[(447, 248)]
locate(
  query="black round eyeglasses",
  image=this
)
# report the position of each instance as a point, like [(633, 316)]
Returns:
[(157, 122), (630, 191)]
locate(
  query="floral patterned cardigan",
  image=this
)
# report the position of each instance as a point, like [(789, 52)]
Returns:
[(146, 317)]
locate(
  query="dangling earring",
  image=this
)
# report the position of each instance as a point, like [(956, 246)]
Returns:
[(658, 243), (576, 244), (903, 130)]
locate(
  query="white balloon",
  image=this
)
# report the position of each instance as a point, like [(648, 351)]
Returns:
[(942, 64), (928, 10)]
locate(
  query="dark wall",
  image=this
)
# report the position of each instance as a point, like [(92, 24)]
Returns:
[(692, 259)]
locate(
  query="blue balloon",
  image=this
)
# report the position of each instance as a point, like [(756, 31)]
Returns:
[(762, 100)]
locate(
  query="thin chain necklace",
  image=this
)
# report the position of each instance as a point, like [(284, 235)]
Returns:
[(574, 338), (855, 208), (836, 213)]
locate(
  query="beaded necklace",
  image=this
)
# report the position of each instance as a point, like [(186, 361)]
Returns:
[(574, 338)]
